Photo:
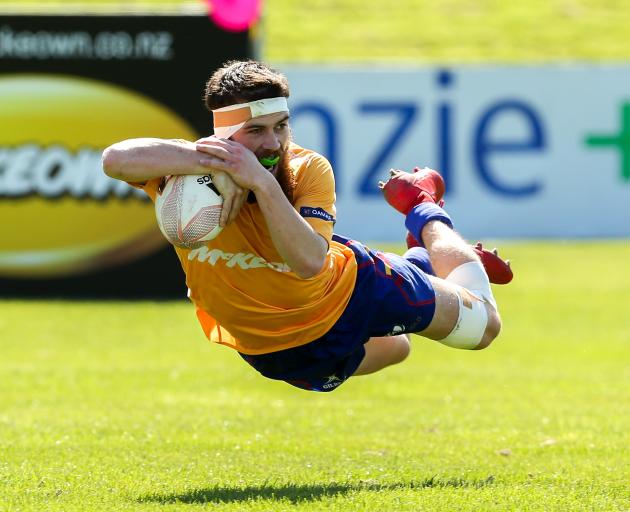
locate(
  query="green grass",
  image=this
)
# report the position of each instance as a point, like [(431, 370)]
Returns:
[(125, 406), (448, 31)]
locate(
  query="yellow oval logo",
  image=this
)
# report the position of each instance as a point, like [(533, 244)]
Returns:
[(60, 213)]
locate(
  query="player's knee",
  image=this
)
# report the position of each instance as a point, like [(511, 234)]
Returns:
[(477, 325), (403, 348), (398, 349), (381, 352), (492, 330)]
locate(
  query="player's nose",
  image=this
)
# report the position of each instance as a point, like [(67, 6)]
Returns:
[(271, 141)]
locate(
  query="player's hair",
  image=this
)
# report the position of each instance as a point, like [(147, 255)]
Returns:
[(241, 81)]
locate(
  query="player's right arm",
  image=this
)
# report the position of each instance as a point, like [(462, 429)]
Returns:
[(138, 161)]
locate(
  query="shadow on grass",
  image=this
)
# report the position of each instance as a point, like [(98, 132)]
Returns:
[(301, 493)]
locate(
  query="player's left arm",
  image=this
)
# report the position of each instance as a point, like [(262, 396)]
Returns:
[(300, 246)]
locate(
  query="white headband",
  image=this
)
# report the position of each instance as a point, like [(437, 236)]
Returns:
[(228, 120)]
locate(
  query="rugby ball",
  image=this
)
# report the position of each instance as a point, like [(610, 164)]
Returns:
[(188, 209)]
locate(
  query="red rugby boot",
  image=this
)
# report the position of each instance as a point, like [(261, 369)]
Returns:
[(499, 271), (404, 190)]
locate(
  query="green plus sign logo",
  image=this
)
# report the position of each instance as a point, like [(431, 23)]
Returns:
[(620, 141)]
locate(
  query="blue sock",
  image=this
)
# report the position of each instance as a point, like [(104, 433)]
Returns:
[(419, 256), (422, 213)]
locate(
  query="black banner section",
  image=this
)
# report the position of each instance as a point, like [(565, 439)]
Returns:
[(69, 86)]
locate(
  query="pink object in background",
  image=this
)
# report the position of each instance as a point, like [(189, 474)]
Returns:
[(234, 15)]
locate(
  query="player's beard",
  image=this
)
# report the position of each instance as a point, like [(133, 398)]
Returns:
[(284, 176)]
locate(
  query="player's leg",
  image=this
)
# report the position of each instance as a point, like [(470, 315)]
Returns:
[(446, 249), (462, 320), (420, 257), (383, 351), (465, 315), (478, 324), (403, 191), (499, 271), (450, 252)]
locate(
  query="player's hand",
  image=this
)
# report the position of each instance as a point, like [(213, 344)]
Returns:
[(235, 159), (233, 196)]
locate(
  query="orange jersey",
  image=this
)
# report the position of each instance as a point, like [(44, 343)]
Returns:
[(246, 296)]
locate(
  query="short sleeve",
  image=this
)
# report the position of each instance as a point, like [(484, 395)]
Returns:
[(314, 195)]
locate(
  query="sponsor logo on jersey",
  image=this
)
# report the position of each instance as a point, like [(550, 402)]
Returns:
[(318, 213), (61, 214), (245, 261)]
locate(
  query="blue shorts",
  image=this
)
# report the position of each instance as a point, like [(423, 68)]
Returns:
[(392, 295)]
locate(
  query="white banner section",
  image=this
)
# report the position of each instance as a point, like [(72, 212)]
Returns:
[(526, 152)]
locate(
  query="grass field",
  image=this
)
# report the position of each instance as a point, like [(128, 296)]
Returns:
[(414, 31), (125, 406)]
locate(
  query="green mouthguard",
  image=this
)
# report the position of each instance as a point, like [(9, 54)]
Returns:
[(269, 162)]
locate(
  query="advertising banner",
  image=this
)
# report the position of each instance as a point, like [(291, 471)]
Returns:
[(69, 87), (526, 152)]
